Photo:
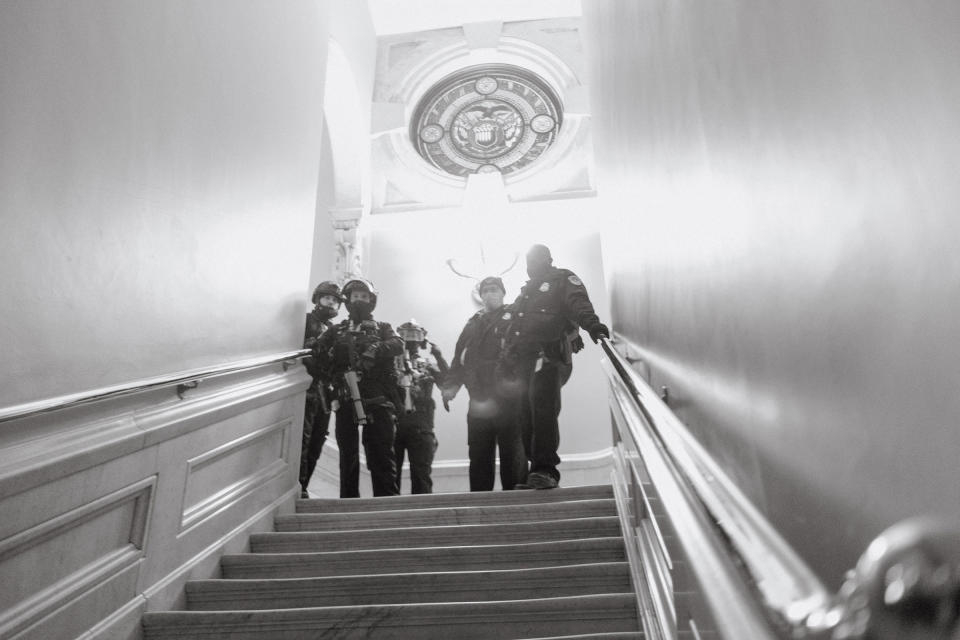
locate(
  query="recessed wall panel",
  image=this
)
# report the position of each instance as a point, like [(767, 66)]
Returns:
[(46, 565), (224, 474)]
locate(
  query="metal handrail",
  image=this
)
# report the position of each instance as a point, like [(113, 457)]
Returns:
[(699, 496), (182, 380)]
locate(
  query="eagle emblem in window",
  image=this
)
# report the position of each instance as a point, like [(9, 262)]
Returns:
[(486, 118), (487, 129)]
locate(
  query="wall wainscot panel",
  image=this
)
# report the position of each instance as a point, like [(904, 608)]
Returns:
[(218, 478), (47, 565), (92, 537)]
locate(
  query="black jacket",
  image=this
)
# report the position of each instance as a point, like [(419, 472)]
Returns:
[(369, 348), (315, 327), (477, 351), (424, 372), (548, 310)]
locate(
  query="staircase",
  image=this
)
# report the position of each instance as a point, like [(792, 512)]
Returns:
[(497, 565)]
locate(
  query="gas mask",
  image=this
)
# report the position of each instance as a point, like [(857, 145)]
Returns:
[(414, 336), (327, 307), (360, 310)]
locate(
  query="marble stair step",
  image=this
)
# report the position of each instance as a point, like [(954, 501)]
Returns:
[(446, 516), (628, 635), (401, 588), (429, 559), (470, 499), (447, 535), (616, 635), (504, 620)]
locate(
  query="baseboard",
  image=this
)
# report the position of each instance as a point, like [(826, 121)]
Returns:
[(122, 624), (168, 593)]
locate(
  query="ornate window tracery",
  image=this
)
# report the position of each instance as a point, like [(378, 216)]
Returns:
[(486, 118)]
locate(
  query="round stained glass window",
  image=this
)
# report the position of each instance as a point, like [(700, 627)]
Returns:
[(486, 118)]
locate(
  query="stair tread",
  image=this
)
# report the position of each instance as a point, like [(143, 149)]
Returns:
[(613, 635), (512, 565), (446, 515), (449, 586), (440, 535), (609, 549), (434, 500), (471, 620)]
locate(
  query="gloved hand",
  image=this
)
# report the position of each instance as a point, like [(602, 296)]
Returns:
[(434, 350), (576, 345), (597, 331), (447, 394), (367, 358)]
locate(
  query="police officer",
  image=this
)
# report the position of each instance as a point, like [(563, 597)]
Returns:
[(492, 412), (419, 373), (316, 413), (546, 316), (357, 355)]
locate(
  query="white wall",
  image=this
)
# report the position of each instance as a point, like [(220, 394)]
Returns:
[(158, 178), (780, 182), (345, 164), (158, 182)]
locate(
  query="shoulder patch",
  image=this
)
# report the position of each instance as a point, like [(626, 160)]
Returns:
[(574, 280), (545, 287)]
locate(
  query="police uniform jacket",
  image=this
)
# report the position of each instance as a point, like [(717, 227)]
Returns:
[(547, 310), (477, 351), (367, 347)]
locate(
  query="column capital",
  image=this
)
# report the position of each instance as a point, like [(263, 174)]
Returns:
[(346, 217)]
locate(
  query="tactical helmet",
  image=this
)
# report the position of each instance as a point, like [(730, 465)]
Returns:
[(491, 280), (412, 332), (359, 284), (326, 288)]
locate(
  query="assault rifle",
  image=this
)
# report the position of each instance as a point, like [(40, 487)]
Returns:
[(351, 378), (322, 401), (406, 381)]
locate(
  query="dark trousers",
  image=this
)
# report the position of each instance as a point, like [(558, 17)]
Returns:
[(378, 436), (420, 444), (316, 425), (492, 424), (539, 415)]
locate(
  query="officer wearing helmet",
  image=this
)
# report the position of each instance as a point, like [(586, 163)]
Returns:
[(419, 373), (551, 308), (357, 356), (316, 413), (492, 412)]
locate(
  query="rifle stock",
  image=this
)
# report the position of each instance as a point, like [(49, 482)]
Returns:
[(322, 399), (351, 379)]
